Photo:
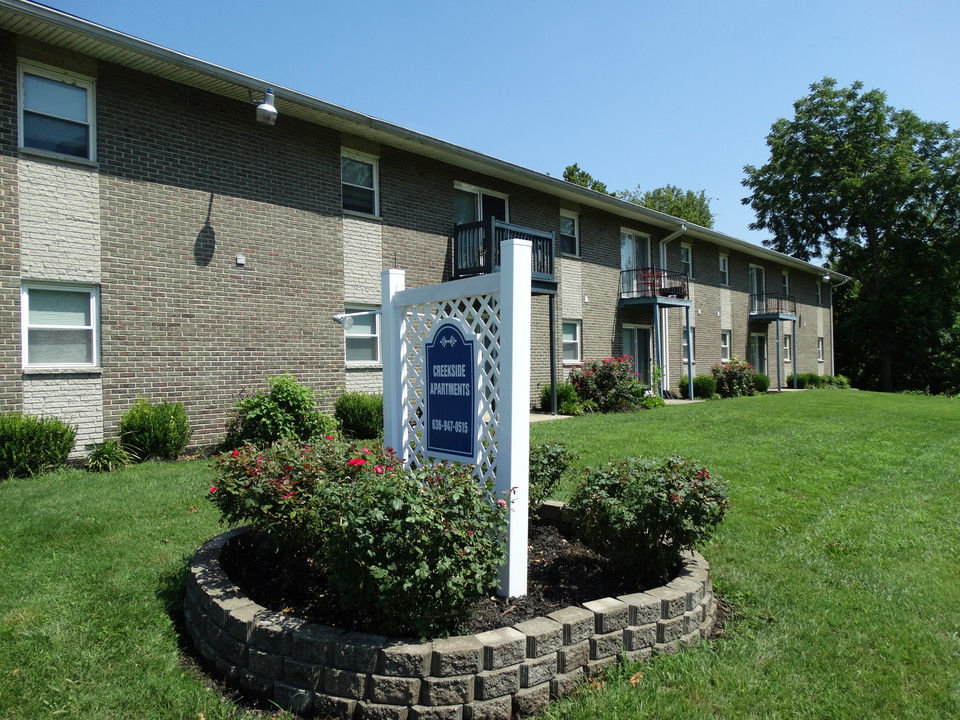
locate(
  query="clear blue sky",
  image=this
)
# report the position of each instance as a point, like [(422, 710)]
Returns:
[(637, 93)]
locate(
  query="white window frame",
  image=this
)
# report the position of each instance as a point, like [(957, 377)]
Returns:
[(93, 295), (686, 266), (683, 345), (374, 162), (726, 344), (569, 214), (479, 192), (577, 342), (785, 283), (26, 67), (724, 268), (820, 352), (787, 348), (348, 334)]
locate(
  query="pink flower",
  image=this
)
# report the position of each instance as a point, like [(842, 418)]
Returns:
[(329, 437), (235, 453), (356, 461), (378, 469), (365, 450), (213, 489), (501, 503)]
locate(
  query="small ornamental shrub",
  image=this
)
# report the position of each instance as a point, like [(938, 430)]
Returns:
[(30, 445), (642, 514), (549, 462), (107, 456), (360, 415), (568, 401), (837, 381), (651, 402), (609, 384), (761, 383), (704, 387), (734, 378), (287, 411), (159, 430), (408, 550)]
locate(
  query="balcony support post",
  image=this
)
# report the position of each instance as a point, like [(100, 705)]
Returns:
[(689, 332)]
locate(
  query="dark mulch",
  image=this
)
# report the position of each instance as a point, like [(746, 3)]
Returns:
[(562, 572)]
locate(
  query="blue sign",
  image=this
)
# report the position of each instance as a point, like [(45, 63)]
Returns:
[(450, 406)]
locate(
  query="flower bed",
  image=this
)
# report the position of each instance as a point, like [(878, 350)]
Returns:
[(316, 669)]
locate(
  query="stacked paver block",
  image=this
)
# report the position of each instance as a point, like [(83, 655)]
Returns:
[(495, 675)]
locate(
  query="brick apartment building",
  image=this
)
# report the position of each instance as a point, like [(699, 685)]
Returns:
[(143, 252)]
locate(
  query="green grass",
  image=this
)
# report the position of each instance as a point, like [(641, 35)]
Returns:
[(91, 565), (839, 553)]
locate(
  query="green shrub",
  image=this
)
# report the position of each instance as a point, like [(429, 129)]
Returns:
[(642, 514), (287, 411), (610, 384), (360, 415), (567, 397), (410, 550), (158, 430), (761, 382), (840, 382), (549, 462), (107, 456), (30, 445), (651, 402), (734, 378), (704, 387)]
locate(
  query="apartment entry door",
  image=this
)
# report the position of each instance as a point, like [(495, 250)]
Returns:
[(636, 343), (757, 352)]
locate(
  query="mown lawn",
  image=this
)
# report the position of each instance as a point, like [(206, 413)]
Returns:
[(839, 555)]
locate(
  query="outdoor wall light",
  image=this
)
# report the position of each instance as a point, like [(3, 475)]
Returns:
[(346, 319), (266, 112), (826, 277)]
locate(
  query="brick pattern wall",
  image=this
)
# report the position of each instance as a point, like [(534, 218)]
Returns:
[(11, 387), (180, 200), (76, 398)]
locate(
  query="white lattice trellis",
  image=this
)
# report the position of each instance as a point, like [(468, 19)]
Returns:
[(493, 309)]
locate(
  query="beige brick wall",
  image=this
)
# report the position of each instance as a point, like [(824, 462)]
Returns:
[(74, 398)]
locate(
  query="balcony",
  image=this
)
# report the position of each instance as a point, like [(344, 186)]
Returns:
[(476, 251), (652, 286), (773, 306)]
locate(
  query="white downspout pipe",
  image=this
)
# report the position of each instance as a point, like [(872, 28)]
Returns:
[(665, 355), (833, 357)]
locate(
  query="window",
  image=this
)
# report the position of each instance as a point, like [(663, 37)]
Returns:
[(683, 345), (787, 347), (725, 343), (571, 341), (819, 293), (784, 283), (363, 338), (819, 349), (360, 181), (472, 204), (60, 325), (724, 269), (56, 112), (686, 260), (569, 233)]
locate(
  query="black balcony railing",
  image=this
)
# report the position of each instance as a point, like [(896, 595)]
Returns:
[(476, 248), (648, 282), (773, 304)]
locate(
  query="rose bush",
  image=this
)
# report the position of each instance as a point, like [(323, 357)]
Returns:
[(408, 550)]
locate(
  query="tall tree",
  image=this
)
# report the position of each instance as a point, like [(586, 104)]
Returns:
[(685, 204), (573, 174), (874, 191)]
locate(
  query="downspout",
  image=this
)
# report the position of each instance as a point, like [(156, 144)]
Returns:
[(662, 354), (833, 357)]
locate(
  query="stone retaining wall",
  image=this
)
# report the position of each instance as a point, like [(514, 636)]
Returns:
[(315, 669)]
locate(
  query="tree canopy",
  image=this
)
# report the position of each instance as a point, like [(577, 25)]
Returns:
[(875, 192), (684, 204)]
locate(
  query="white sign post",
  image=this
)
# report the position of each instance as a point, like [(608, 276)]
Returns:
[(495, 310)]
